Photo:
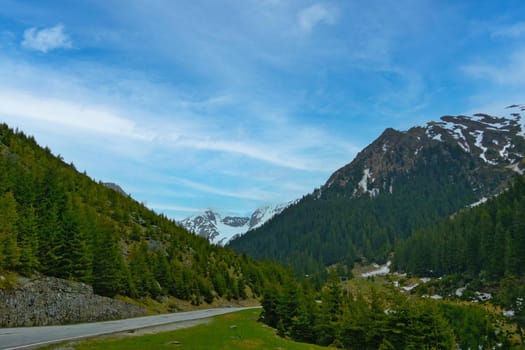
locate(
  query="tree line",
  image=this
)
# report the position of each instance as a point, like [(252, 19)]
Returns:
[(487, 241), (377, 318)]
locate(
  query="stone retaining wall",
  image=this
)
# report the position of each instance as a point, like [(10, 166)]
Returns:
[(43, 301)]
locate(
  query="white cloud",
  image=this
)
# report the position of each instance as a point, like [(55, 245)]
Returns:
[(67, 114), (46, 39), (516, 30), (171, 207), (246, 149), (510, 73), (253, 194), (187, 128), (311, 16)]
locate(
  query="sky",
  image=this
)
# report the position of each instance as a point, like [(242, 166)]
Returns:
[(236, 104)]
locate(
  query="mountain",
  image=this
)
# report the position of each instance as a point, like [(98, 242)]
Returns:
[(115, 187), (220, 229), (58, 222), (494, 144), (402, 181)]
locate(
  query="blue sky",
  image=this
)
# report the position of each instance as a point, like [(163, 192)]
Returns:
[(236, 104)]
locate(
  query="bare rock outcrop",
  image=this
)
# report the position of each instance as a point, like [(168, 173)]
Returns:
[(42, 301)]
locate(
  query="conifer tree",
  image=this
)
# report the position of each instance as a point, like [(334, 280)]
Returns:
[(108, 265), (9, 250), (28, 242)]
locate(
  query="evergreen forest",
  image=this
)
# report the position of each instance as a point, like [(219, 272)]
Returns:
[(59, 222), (364, 315), (330, 226)]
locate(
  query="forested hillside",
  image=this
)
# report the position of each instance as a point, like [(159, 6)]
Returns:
[(364, 314), (59, 222), (402, 182), (487, 240), (320, 232)]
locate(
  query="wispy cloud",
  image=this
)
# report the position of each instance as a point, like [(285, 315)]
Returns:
[(216, 100), (247, 149), (46, 39), (316, 14), (511, 72), (512, 31), (252, 194), (171, 207), (91, 119)]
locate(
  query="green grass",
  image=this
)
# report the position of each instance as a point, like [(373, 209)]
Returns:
[(238, 330)]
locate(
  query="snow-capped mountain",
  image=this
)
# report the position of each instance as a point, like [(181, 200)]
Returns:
[(402, 182), (493, 143), (221, 229)]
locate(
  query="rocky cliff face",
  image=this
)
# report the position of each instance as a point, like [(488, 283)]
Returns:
[(47, 301)]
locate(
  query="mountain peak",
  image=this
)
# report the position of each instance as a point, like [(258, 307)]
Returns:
[(401, 182), (220, 230), (496, 141)]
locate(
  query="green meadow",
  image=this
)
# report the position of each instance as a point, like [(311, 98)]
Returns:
[(239, 330)]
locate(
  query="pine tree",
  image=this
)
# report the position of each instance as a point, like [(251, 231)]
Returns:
[(9, 250), (108, 265), (75, 259), (141, 266), (28, 242)]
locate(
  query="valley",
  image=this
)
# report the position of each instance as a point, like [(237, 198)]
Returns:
[(262, 174), (422, 229)]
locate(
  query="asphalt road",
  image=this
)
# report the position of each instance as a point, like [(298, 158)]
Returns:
[(31, 337)]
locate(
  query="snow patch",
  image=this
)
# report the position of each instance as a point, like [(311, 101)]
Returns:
[(479, 139), (460, 291), (363, 184), (516, 168), (409, 288), (509, 313), (481, 201), (504, 152), (483, 296), (379, 270), (465, 147)]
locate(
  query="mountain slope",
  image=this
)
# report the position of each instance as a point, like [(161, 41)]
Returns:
[(402, 181), (58, 222), (488, 238), (220, 229)]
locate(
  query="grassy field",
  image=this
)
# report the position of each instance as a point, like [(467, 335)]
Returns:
[(232, 331)]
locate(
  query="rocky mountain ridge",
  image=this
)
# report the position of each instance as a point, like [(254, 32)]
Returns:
[(220, 229), (496, 144), (401, 182)]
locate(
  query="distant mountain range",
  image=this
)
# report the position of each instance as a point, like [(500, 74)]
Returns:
[(402, 181), (220, 229)]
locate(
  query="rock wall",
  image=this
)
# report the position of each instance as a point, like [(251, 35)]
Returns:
[(43, 301)]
